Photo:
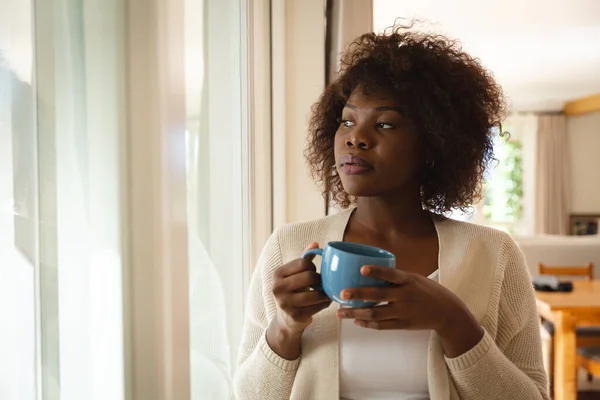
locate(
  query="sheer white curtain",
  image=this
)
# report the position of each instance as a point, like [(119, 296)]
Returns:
[(81, 110), (553, 203), (18, 195), (217, 165)]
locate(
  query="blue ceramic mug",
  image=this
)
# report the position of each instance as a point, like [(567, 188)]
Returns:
[(340, 269)]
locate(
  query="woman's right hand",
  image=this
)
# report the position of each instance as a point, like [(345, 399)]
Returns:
[(296, 301), (296, 304)]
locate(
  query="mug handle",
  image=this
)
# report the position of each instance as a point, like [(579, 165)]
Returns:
[(314, 252)]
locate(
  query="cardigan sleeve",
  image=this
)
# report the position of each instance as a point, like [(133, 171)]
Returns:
[(261, 373), (511, 366)]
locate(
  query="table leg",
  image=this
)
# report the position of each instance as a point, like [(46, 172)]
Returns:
[(565, 369)]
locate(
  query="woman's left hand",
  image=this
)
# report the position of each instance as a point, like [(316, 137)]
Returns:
[(414, 302)]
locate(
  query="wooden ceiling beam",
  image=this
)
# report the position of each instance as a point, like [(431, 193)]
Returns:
[(583, 105)]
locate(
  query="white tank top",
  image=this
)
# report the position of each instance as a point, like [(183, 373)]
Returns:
[(383, 365)]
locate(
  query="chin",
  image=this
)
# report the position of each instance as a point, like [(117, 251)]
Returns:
[(360, 190)]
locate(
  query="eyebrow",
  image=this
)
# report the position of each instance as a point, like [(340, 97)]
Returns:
[(381, 108)]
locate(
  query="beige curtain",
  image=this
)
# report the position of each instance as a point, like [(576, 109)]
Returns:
[(553, 187), (346, 20)]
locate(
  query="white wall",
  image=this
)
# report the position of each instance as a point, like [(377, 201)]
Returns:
[(584, 136)]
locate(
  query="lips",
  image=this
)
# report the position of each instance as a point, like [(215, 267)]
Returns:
[(355, 165)]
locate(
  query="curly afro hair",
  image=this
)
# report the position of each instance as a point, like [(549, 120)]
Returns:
[(452, 100)]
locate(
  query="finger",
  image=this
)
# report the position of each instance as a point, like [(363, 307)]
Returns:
[(387, 324), (392, 275), (298, 282), (378, 294), (378, 313), (303, 281), (295, 267), (313, 245), (311, 298), (305, 313)]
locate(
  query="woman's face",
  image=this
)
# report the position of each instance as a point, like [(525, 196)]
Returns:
[(377, 151)]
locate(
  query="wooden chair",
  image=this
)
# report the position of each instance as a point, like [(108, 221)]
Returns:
[(588, 358), (584, 271), (587, 337)]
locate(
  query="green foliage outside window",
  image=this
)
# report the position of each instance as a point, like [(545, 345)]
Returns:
[(503, 192)]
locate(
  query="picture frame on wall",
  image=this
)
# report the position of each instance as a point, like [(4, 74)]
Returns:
[(584, 224)]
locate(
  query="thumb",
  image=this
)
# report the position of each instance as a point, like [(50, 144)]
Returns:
[(313, 245)]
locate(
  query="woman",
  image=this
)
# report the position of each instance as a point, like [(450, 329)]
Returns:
[(402, 137)]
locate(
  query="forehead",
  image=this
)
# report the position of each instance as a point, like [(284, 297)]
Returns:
[(362, 98)]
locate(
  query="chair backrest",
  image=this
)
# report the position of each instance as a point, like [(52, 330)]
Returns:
[(583, 271)]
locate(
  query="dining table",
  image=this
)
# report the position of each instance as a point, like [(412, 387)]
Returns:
[(568, 311)]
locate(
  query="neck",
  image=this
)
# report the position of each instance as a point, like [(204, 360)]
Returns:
[(393, 217)]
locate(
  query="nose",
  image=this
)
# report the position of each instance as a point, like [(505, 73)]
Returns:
[(358, 140)]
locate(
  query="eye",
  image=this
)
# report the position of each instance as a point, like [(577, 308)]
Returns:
[(384, 125), (347, 123)]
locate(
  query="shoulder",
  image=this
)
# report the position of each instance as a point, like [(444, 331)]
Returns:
[(472, 231), (475, 251), (492, 242)]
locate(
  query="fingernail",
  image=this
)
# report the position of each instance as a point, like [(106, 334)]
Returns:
[(366, 270), (346, 295)]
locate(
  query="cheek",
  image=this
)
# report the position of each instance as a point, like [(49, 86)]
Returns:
[(338, 145), (404, 160), (338, 139)]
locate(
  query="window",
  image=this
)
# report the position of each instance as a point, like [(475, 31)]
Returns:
[(503, 192), (509, 191)]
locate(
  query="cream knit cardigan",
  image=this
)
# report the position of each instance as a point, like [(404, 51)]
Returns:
[(482, 266)]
